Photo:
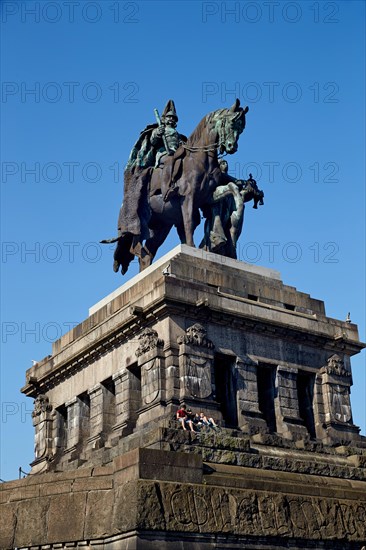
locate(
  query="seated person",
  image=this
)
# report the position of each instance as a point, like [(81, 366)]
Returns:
[(192, 418), (208, 422), (197, 420), (184, 419)]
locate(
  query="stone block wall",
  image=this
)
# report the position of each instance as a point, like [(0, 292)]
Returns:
[(273, 364), (151, 498)]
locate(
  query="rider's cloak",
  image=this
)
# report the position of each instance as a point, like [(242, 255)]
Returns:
[(135, 208), (135, 211)]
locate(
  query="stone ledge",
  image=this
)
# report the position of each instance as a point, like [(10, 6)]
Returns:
[(163, 465), (227, 446), (210, 499), (162, 540), (194, 253)]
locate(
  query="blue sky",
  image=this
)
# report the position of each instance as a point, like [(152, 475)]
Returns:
[(97, 71)]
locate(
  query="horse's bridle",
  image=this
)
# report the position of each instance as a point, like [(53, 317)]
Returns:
[(213, 146)]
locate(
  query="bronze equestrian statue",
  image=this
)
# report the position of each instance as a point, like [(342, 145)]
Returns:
[(169, 178)]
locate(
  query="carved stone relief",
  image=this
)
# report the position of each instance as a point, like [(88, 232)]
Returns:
[(336, 391), (196, 336), (41, 405), (42, 422), (149, 340), (151, 375), (206, 509), (196, 362), (340, 403), (335, 365), (198, 376)]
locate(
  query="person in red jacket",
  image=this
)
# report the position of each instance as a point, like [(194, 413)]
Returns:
[(182, 417)]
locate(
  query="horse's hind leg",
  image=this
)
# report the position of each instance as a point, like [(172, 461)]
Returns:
[(181, 233), (152, 244)]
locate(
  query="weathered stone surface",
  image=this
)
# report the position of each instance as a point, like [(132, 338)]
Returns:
[(154, 464), (237, 500), (125, 508), (31, 524), (148, 340), (98, 518), (7, 524), (66, 517)]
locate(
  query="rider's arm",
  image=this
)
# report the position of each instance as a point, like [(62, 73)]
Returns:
[(156, 136)]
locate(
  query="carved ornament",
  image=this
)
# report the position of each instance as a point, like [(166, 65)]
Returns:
[(196, 336), (149, 340)]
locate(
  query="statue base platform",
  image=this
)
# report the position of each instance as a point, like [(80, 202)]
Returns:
[(113, 468), (180, 490)]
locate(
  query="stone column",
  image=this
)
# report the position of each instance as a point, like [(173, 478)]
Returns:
[(172, 382), (120, 384), (196, 360), (42, 417), (151, 362), (319, 409), (289, 423), (250, 418), (334, 415), (78, 415), (59, 433), (127, 402), (101, 403)]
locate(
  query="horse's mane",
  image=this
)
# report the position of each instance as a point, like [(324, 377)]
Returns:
[(204, 125)]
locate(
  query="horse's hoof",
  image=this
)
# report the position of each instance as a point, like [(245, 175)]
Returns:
[(115, 266), (144, 263), (136, 248), (145, 259), (255, 206)]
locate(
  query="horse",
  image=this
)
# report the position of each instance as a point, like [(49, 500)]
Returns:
[(195, 171)]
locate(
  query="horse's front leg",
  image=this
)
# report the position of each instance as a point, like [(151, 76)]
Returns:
[(188, 220)]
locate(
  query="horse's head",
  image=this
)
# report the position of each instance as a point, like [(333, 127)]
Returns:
[(229, 124)]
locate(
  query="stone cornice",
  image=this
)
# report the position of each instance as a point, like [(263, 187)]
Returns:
[(201, 303)]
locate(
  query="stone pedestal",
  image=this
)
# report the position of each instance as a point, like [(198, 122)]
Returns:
[(286, 467)]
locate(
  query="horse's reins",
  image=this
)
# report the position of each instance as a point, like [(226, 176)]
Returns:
[(207, 148), (204, 148)]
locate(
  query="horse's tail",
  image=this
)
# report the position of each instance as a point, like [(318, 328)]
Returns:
[(109, 241)]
